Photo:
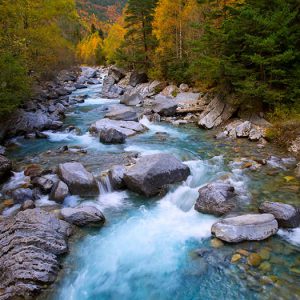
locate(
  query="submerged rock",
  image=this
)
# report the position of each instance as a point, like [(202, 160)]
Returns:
[(287, 215), (5, 167), (245, 228), (153, 172), (59, 192), (30, 244), (129, 128), (112, 136), (216, 198), (78, 179), (83, 216)]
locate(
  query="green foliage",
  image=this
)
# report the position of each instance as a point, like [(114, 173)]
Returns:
[(14, 83), (139, 42), (254, 52)]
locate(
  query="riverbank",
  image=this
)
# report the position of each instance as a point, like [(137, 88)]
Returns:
[(164, 229)]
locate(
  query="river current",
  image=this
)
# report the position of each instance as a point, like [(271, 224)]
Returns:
[(149, 248)]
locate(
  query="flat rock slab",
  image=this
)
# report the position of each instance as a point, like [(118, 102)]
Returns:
[(121, 112), (151, 173), (187, 98), (30, 244), (250, 227), (83, 216), (287, 215), (78, 179), (129, 128)]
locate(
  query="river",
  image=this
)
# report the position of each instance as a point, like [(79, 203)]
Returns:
[(149, 248)]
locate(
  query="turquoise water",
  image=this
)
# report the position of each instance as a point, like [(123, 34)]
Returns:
[(148, 247)]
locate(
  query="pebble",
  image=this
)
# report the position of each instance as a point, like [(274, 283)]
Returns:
[(243, 252), (265, 266), (254, 260), (264, 254), (235, 258), (216, 243)]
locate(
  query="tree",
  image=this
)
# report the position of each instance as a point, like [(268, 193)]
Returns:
[(139, 40)]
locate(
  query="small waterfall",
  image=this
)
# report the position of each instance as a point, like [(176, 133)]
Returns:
[(105, 186)]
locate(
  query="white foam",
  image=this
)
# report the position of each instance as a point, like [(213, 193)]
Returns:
[(291, 235)]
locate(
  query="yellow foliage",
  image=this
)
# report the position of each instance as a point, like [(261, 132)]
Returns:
[(89, 51)]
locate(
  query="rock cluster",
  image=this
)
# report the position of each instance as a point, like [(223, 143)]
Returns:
[(30, 245)]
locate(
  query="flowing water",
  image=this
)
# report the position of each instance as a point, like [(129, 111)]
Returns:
[(149, 249)]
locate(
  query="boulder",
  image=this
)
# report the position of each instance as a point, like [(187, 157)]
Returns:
[(5, 167), (184, 88), (83, 216), (112, 136), (59, 191), (43, 183), (122, 113), (21, 195), (216, 198), (255, 134), (152, 173), (28, 204), (216, 112), (250, 227), (30, 245), (78, 179), (116, 73), (137, 78), (131, 99), (129, 128), (185, 98), (170, 91), (108, 83), (243, 130), (116, 177), (287, 215), (88, 72), (164, 106)]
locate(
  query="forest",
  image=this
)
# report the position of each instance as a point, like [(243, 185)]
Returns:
[(248, 50)]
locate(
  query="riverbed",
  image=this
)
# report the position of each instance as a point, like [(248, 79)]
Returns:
[(161, 248)]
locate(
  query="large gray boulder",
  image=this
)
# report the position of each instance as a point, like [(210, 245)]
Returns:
[(78, 179), (164, 106), (216, 198), (116, 73), (30, 245), (5, 167), (129, 128), (88, 72), (137, 78), (83, 216), (216, 112), (287, 215), (152, 173), (122, 113), (59, 191), (254, 227), (112, 136), (131, 99)]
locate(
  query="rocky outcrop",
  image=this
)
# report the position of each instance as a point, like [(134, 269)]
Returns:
[(152, 173), (30, 245), (137, 78), (83, 216), (116, 73), (286, 215), (245, 228), (216, 112), (129, 128), (164, 106), (59, 192), (78, 179), (5, 167), (112, 136), (121, 112), (216, 198), (131, 99)]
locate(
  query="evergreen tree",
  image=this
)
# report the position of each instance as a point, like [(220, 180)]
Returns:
[(139, 40)]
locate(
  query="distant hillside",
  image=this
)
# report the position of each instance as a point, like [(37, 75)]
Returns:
[(103, 9)]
